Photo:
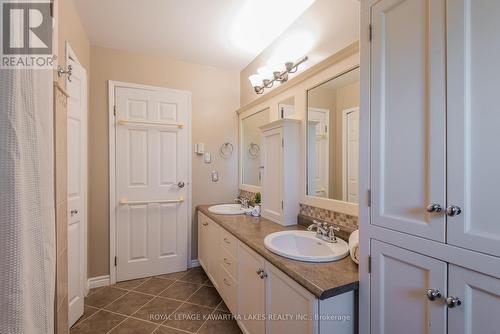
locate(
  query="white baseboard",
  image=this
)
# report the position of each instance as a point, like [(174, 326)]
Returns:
[(96, 282), (193, 264)]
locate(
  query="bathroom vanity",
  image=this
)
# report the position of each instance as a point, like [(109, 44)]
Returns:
[(268, 293)]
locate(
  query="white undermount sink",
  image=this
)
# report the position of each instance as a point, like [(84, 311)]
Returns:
[(227, 209), (305, 246)]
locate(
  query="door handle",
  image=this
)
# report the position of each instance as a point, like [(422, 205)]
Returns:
[(453, 301), (180, 184), (433, 207), (74, 212), (453, 210), (433, 294)]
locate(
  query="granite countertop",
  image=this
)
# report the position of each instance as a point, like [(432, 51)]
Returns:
[(324, 280)]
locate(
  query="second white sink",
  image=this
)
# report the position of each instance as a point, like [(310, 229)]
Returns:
[(227, 209), (305, 246)]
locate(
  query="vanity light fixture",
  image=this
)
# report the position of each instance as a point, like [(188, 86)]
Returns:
[(266, 78)]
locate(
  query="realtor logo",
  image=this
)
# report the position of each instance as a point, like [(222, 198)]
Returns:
[(26, 34)]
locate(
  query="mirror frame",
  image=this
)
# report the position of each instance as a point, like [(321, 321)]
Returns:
[(320, 202), (247, 187)]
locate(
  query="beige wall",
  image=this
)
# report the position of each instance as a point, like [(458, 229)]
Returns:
[(332, 25), (215, 97), (71, 29)]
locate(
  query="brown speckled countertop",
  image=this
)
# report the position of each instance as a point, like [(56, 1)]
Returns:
[(324, 280)]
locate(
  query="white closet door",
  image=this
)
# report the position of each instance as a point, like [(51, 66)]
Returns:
[(474, 124), (480, 298), (399, 282), (77, 188), (408, 116), (151, 162)]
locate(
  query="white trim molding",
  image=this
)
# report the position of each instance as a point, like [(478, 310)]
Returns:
[(97, 282)]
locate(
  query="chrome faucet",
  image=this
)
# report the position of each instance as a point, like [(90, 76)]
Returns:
[(323, 231), (243, 201)]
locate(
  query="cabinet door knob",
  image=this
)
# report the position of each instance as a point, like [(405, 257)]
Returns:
[(433, 294), (453, 301), (74, 212), (180, 184), (453, 210), (205, 224), (433, 207)]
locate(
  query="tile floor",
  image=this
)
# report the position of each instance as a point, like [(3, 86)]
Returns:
[(184, 302)]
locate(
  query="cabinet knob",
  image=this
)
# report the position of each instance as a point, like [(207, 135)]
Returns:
[(205, 224), (261, 273), (181, 184), (453, 210), (433, 294), (453, 301), (433, 207)]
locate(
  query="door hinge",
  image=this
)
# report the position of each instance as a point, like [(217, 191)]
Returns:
[(282, 142), (370, 32), (114, 110), (369, 198), (116, 261), (369, 264), (282, 206), (326, 128)]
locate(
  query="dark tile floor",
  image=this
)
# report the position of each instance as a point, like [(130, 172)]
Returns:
[(184, 302)]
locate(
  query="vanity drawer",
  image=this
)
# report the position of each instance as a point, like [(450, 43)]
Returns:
[(229, 243), (229, 290), (228, 262)]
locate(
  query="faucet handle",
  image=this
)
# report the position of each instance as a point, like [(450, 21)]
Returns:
[(331, 232), (318, 223)]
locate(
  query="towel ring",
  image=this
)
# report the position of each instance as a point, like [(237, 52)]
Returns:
[(253, 150), (226, 150)]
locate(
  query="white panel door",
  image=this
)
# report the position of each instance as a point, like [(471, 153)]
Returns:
[(272, 174), (473, 124), (152, 165), (479, 295), (399, 282), (251, 291), (350, 155), (77, 188), (408, 116), (320, 119)]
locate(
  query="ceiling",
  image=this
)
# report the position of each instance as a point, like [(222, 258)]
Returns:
[(221, 33)]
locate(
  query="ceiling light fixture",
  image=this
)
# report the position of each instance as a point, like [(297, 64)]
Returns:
[(266, 77)]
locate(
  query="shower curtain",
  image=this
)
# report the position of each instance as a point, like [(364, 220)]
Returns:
[(27, 223)]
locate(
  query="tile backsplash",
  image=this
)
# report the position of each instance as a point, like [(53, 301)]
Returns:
[(346, 222), (342, 220)]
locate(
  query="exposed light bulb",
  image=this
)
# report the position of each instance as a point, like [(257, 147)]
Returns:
[(255, 80)]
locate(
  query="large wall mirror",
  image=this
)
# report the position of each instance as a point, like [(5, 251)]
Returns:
[(251, 147), (333, 138)]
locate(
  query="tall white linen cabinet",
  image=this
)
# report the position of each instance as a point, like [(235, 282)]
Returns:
[(430, 166)]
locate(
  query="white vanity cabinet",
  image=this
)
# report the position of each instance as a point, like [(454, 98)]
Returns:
[(251, 291), (280, 174), (266, 300), (431, 150), (285, 297), (208, 246)]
